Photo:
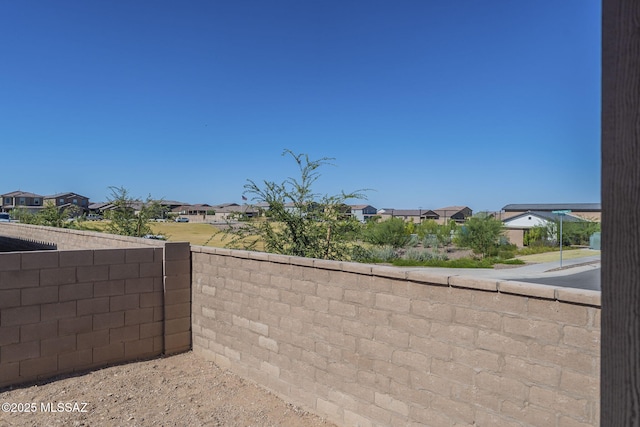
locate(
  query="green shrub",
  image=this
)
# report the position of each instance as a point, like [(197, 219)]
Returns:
[(392, 232)]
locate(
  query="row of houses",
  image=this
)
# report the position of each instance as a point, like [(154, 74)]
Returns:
[(517, 218), (35, 202)]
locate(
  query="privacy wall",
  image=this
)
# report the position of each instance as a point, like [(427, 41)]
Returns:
[(366, 345), (71, 310)]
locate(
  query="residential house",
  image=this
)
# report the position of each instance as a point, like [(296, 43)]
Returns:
[(22, 199), (226, 211), (517, 226), (363, 212), (588, 211), (66, 200), (458, 214), (413, 215), (194, 210)]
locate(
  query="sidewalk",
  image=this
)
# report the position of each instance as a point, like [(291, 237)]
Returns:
[(528, 271)]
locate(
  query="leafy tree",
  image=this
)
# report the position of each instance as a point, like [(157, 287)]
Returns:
[(577, 233), (391, 232), (298, 221), (154, 209), (481, 233), (124, 220), (573, 233), (21, 214), (52, 216), (440, 232)]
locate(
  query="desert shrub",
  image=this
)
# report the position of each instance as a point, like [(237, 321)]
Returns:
[(391, 232), (416, 254), (384, 253), (430, 241)]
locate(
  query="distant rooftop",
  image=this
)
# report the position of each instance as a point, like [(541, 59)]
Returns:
[(574, 207)]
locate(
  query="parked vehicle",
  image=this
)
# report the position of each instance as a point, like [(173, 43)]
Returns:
[(182, 219), (94, 217), (4, 217)]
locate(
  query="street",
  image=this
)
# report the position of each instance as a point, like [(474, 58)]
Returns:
[(589, 279)]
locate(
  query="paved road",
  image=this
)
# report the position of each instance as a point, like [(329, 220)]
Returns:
[(583, 273), (589, 279)]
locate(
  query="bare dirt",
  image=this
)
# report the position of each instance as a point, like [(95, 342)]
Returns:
[(181, 390)]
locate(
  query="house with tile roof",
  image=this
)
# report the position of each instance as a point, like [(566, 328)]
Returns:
[(30, 201), (66, 200), (363, 213)]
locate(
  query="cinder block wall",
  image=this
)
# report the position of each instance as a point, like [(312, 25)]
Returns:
[(72, 310), (69, 311), (367, 345), (65, 238)]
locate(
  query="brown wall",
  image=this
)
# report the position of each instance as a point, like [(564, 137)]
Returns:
[(515, 236), (367, 345), (71, 310)]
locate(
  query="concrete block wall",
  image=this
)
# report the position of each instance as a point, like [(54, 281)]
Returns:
[(177, 297), (66, 311), (65, 238), (379, 346), (69, 311)]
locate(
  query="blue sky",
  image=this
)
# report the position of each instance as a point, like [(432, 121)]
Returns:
[(427, 103)]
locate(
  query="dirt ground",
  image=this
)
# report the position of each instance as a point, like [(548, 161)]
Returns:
[(181, 390)]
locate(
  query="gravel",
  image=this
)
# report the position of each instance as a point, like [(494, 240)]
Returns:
[(180, 390)]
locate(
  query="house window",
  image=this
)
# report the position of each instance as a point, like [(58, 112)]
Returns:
[(7, 200), (36, 201), (22, 201), (75, 201), (60, 200)]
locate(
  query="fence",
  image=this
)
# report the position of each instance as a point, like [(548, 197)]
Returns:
[(359, 344), (366, 345), (71, 310)]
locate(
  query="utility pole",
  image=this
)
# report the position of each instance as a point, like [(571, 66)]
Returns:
[(561, 214)]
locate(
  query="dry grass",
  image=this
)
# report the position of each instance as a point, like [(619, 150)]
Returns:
[(194, 233), (555, 256)]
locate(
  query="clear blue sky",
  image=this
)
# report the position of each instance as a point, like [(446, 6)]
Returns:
[(428, 103)]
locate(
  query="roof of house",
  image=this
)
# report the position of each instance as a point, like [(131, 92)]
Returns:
[(55, 196), (99, 205), (223, 206), (19, 193), (577, 207), (357, 207), (449, 211), (548, 216), (237, 208), (408, 212)]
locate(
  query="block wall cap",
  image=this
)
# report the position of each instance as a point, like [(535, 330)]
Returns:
[(259, 256), (279, 259), (580, 296), (474, 283), (327, 264), (391, 272), (527, 289), (356, 267), (424, 276)]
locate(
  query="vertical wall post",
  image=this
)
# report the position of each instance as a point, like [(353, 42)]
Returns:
[(620, 364), (177, 297)]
